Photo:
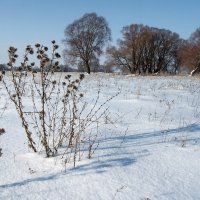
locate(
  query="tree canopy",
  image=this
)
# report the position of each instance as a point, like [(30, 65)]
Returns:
[(145, 49), (85, 39)]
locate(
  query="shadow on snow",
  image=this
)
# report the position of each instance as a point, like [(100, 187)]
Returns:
[(120, 158)]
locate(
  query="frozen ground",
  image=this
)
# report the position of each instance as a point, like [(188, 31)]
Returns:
[(149, 147)]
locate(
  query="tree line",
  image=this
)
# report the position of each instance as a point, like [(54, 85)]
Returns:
[(145, 49), (142, 49)]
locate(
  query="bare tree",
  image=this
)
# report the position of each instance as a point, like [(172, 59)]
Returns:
[(128, 52), (146, 49), (189, 53), (195, 37), (85, 39)]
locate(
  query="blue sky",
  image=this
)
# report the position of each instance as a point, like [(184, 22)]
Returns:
[(25, 22)]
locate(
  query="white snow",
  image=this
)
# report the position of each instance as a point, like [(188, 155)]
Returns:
[(149, 148)]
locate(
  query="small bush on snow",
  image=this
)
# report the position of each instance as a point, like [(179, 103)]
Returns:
[(56, 115)]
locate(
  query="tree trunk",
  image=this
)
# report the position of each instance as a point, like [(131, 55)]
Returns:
[(87, 66)]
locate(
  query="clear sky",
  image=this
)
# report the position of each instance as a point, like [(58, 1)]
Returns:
[(25, 22)]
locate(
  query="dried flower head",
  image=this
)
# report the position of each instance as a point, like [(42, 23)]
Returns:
[(75, 87), (56, 63), (29, 68), (57, 55), (56, 46), (9, 64), (32, 64), (39, 57), (81, 76), (41, 52), (31, 52), (2, 130), (47, 59), (58, 68), (43, 62), (37, 45), (68, 76), (28, 47), (12, 50), (54, 82)]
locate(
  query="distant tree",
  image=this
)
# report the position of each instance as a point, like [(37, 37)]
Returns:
[(195, 37), (94, 65), (167, 44), (145, 49), (189, 54), (85, 39), (128, 52), (108, 65)]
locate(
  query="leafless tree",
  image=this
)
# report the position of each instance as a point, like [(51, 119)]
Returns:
[(195, 36), (146, 49), (189, 53), (85, 39)]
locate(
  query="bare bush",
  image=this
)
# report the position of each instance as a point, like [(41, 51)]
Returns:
[(2, 130), (51, 107)]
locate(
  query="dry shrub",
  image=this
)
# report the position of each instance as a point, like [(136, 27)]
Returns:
[(51, 107)]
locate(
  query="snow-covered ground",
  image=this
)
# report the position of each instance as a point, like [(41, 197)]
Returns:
[(149, 146)]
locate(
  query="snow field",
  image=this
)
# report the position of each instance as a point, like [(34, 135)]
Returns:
[(148, 145)]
